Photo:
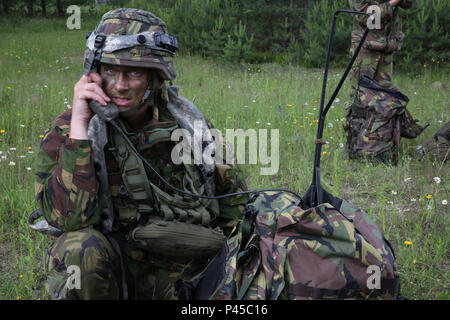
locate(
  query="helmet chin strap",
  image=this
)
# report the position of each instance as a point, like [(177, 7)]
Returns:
[(147, 99)]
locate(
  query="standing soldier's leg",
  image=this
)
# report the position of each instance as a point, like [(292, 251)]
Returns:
[(91, 253), (367, 63), (384, 71)]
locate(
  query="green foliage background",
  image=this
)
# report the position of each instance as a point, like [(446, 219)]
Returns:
[(283, 31)]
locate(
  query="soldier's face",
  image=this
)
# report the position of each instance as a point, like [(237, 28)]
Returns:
[(125, 86)]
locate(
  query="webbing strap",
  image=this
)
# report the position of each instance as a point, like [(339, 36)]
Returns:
[(143, 191)]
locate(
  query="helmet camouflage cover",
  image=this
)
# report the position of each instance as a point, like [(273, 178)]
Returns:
[(134, 38)]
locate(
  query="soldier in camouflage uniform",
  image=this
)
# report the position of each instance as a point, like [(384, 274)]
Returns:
[(376, 120), (376, 56), (142, 246)]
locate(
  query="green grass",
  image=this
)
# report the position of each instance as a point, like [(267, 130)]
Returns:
[(41, 60)]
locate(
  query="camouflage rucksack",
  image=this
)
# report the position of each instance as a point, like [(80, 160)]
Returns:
[(281, 251), (376, 121)]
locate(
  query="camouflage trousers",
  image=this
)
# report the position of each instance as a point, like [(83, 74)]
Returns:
[(375, 64), (99, 262)]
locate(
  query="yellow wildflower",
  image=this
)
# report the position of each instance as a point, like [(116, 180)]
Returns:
[(2, 131), (408, 243), (288, 105), (429, 196)]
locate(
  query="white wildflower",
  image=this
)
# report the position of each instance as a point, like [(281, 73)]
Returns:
[(330, 125), (444, 202), (12, 163), (394, 192), (437, 180), (413, 200)]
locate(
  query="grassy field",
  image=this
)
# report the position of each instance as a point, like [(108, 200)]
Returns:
[(41, 60)]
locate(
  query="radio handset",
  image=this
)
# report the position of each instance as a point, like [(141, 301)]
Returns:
[(106, 113), (92, 62)]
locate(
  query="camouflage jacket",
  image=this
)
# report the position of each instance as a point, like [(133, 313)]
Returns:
[(67, 189), (389, 37)]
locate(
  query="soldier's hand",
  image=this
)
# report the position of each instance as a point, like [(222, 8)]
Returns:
[(394, 3), (87, 88)]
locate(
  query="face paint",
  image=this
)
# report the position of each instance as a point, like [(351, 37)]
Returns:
[(126, 86)]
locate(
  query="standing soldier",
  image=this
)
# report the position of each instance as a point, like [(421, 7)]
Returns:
[(376, 56), (377, 117), (129, 234)]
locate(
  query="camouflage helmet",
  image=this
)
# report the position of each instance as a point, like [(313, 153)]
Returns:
[(134, 38)]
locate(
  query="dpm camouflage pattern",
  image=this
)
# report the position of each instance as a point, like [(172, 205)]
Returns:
[(126, 21), (376, 120), (389, 37), (100, 268), (375, 59), (292, 253), (67, 192)]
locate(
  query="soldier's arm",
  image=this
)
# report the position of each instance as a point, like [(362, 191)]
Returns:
[(362, 6), (65, 182), (229, 178)]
